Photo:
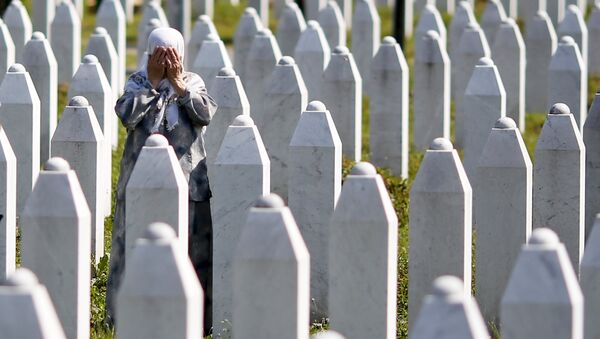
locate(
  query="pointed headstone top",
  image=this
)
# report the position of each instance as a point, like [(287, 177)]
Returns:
[(441, 144), (363, 168), (79, 101), (37, 35), (157, 140), (341, 50), (159, 231), (287, 61), (243, 120), (269, 201), (212, 37), (22, 277), (316, 106), (227, 72), (389, 40), (485, 61), (57, 164), (17, 68), (567, 40), (90, 59), (505, 123), (313, 24), (264, 32), (431, 34), (543, 236), (204, 18), (250, 11), (448, 286), (560, 108), (100, 31)]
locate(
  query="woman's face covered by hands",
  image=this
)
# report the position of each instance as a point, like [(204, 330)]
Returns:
[(165, 63)]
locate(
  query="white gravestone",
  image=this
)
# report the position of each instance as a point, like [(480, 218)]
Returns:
[(111, 16), (19, 25), (333, 24), (540, 41), (503, 182), (202, 29), (559, 181), (229, 94), (157, 191), (290, 26), (374, 229), (26, 308), (556, 11), (164, 299), (242, 163), (449, 312), (493, 16), (440, 223), (43, 13), (315, 181), (260, 63), (207, 7), (90, 82), (461, 19), (8, 207), (78, 139), (262, 9), (127, 6), (508, 53), (485, 103), (591, 139), (593, 27), (7, 50), (210, 59), (313, 7), (312, 54), (327, 335), (65, 39), (366, 32), (56, 244), (430, 20), (543, 298), (431, 91), (178, 14), (151, 11), (528, 9), (589, 278), (510, 7), (20, 118), (472, 47), (100, 45), (41, 64), (245, 32), (573, 25), (567, 81), (271, 275), (341, 91), (388, 128), (284, 100)]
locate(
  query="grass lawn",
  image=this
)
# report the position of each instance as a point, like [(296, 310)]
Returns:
[(226, 17)]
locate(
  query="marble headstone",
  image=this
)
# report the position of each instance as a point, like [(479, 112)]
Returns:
[(290, 26), (591, 139), (211, 58), (573, 25), (7, 50), (111, 16), (8, 207), (202, 29), (366, 32), (493, 16), (247, 28), (593, 27), (540, 41), (589, 278), (65, 34), (312, 54), (19, 25), (333, 24)]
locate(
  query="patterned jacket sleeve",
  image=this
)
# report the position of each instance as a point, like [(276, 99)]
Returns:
[(199, 106), (136, 102)]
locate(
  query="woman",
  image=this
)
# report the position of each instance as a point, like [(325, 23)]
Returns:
[(162, 98)]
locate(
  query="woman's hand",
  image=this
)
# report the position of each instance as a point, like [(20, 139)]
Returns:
[(174, 71), (156, 66)]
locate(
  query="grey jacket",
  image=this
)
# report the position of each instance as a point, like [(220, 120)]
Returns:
[(140, 112)]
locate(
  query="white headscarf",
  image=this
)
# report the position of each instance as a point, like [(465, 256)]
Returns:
[(166, 37)]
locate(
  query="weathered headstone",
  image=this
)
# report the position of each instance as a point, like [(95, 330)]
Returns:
[(462, 18), (229, 94), (333, 24), (493, 16), (593, 27), (312, 54), (19, 25), (559, 181), (449, 312), (540, 41), (341, 91), (567, 80), (157, 191), (8, 207), (271, 269), (20, 118), (440, 223), (202, 29), (7, 50), (289, 28), (164, 299), (26, 308), (543, 298), (41, 64), (315, 181), (484, 103), (591, 139), (373, 228), (151, 11), (573, 25), (55, 244), (508, 53), (502, 183), (243, 163), (472, 47), (65, 39), (111, 16), (260, 62), (366, 33), (90, 82), (210, 59), (556, 11), (589, 279), (43, 13), (431, 91), (101, 46), (389, 109), (78, 139), (245, 32), (284, 100), (430, 19)]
